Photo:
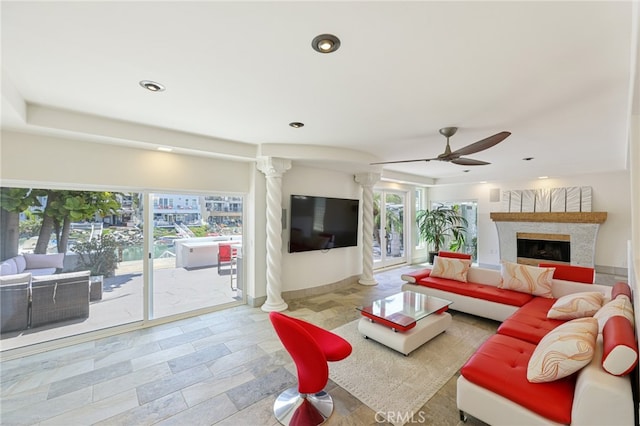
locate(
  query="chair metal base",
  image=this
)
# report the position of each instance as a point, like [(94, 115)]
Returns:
[(293, 408)]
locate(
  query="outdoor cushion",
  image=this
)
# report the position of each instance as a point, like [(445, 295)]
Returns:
[(8, 267), (481, 291), (563, 351), (40, 261), (530, 322), (21, 263), (527, 279), (500, 366)]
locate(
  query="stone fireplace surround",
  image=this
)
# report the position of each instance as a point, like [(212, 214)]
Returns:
[(582, 228)]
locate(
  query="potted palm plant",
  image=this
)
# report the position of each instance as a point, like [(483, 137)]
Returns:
[(439, 224)]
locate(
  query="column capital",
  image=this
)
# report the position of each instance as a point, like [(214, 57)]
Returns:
[(367, 179), (272, 166)]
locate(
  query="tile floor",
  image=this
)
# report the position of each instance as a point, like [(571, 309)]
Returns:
[(223, 368)]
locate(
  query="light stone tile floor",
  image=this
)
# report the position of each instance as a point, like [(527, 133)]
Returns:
[(223, 368)]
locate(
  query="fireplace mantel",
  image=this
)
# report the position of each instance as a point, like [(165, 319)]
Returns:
[(551, 217)]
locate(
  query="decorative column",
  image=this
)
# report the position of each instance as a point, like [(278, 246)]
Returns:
[(367, 180), (273, 169)]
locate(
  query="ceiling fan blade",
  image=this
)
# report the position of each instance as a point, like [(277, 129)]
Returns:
[(483, 144), (403, 161), (469, 162)]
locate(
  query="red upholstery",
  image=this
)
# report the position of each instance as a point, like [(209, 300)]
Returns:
[(530, 322), (481, 291), (418, 275), (500, 366), (621, 288), (618, 336), (310, 347), (454, 255), (387, 323), (580, 274)]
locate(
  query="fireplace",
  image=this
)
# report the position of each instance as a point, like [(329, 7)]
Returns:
[(533, 248), (577, 230)]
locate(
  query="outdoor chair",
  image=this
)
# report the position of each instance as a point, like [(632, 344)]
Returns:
[(227, 256), (311, 347), (14, 302)]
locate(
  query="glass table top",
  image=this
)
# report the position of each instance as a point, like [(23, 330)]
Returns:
[(405, 308)]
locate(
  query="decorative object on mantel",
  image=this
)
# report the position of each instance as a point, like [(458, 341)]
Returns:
[(542, 200)]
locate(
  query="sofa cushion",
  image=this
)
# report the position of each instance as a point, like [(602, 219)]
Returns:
[(620, 351), (42, 261), (500, 366), (21, 263), (576, 305), (481, 291), (526, 279), (530, 323), (617, 307), (451, 268), (620, 289), (563, 351), (454, 255), (580, 274), (8, 267), (24, 279)]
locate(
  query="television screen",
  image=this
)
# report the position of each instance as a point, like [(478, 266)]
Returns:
[(322, 223)]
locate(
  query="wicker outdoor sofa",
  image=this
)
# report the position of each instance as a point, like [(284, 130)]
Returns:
[(34, 301)]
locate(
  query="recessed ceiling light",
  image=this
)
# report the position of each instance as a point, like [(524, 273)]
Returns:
[(325, 43), (165, 149), (152, 86), (528, 158), (466, 171), (296, 124)]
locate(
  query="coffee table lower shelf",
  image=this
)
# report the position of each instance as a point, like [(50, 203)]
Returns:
[(408, 341)]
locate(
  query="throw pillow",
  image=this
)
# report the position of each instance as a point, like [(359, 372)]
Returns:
[(451, 268), (620, 306), (620, 351), (563, 351), (526, 279), (576, 305)]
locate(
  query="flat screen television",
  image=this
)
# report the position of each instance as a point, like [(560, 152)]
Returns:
[(322, 223)]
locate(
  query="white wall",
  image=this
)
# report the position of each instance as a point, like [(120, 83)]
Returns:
[(56, 161), (611, 194), (316, 268)]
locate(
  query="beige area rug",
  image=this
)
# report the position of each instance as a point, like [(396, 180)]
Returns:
[(396, 386)]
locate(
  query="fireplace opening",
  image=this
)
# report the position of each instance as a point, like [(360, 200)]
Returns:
[(533, 248)]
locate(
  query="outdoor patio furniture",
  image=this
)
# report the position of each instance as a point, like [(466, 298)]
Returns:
[(59, 297), (14, 302)]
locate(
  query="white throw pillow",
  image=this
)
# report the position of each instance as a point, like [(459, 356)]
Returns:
[(620, 306), (526, 279), (451, 268), (563, 351), (576, 305)]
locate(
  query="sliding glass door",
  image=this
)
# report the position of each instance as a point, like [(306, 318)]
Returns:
[(389, 228), (150, 255)]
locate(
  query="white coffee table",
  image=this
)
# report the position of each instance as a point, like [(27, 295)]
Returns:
[(404, 321)]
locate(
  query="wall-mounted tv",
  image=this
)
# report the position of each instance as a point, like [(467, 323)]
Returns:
[(322, 223)]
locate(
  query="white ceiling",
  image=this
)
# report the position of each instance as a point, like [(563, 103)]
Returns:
[(558, 75)]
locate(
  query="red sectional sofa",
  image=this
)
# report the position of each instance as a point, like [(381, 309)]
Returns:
[(494, 385)]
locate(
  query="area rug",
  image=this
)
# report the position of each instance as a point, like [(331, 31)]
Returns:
[(397, 386)]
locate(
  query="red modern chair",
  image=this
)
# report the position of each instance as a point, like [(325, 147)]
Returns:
[(310, 347)]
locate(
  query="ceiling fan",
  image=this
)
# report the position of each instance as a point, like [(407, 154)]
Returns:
[(456, 156)]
